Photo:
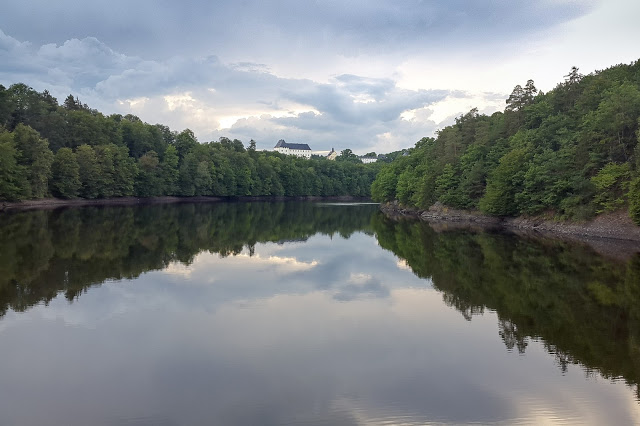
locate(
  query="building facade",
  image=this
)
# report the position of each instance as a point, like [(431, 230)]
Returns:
[(332, 155), (368, 160), (297, 149)]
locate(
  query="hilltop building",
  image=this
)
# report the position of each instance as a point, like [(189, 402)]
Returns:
[(297, 149), (332, 155), (367, 160)]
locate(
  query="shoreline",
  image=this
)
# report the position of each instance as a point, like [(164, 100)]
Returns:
[(55, 203), (613, 234)]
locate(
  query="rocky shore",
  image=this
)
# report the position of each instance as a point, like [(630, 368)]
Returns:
[(615, 225)]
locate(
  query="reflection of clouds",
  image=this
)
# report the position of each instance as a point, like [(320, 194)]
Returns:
[(331, 331), (179, 269), (283, 264), (351, 274), (289, 358), (381, 361), (361, 285), (402, 264), (113, 299), (205, 262), (322, 263), (359, 278)]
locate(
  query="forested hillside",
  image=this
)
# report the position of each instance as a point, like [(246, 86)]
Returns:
[(71, 150), (570, 153)]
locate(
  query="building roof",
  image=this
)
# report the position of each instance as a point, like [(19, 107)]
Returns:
[(282, 144)]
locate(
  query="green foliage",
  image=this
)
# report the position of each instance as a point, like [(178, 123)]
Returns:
[(405, 186), (105, 171), (36, 158), (125, 171), (88, 173), (202, 180), (348, 156), (149, 182), (222, 168), (13, 178), (504, 183), (447, 187), (188, 169), (384, 187), (570, 152), (169, 170), (121, 156), (545, 184), (634, 200), (611, 183), (65, 170), (612, 126)]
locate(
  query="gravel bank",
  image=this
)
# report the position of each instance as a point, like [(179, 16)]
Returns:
[(616, 225)]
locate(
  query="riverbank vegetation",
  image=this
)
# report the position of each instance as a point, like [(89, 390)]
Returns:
[(570, 153), (71, 150)]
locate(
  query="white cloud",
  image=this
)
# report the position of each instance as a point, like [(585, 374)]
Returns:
[(372, 76), (215, 99)]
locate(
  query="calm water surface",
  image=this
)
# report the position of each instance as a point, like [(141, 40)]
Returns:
[(300, 313)]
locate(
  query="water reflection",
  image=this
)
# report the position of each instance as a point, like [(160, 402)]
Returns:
[(44, 252), (293, 314), (585, 307)]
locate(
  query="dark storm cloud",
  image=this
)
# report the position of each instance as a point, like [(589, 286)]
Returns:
[(151, 28)]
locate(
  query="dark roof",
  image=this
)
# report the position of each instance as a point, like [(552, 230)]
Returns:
[(282, 144)]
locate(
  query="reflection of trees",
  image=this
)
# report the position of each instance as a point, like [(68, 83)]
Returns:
[(585, 308), (511, 335), (43, 253), (467, 309)]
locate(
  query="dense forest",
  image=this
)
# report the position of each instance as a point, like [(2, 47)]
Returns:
[(570, 153), (71, 150)]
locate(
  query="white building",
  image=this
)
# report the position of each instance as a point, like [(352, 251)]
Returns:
[(367, 160), (297, 149)]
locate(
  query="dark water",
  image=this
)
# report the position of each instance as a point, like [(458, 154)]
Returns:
[(299, 313)]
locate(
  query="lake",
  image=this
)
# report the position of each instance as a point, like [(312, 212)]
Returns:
[(307, 313)]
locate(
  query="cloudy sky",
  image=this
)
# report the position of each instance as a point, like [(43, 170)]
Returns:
[(366, 75)]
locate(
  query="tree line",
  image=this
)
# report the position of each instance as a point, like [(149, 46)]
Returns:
[(570, 153), (71, 150)]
